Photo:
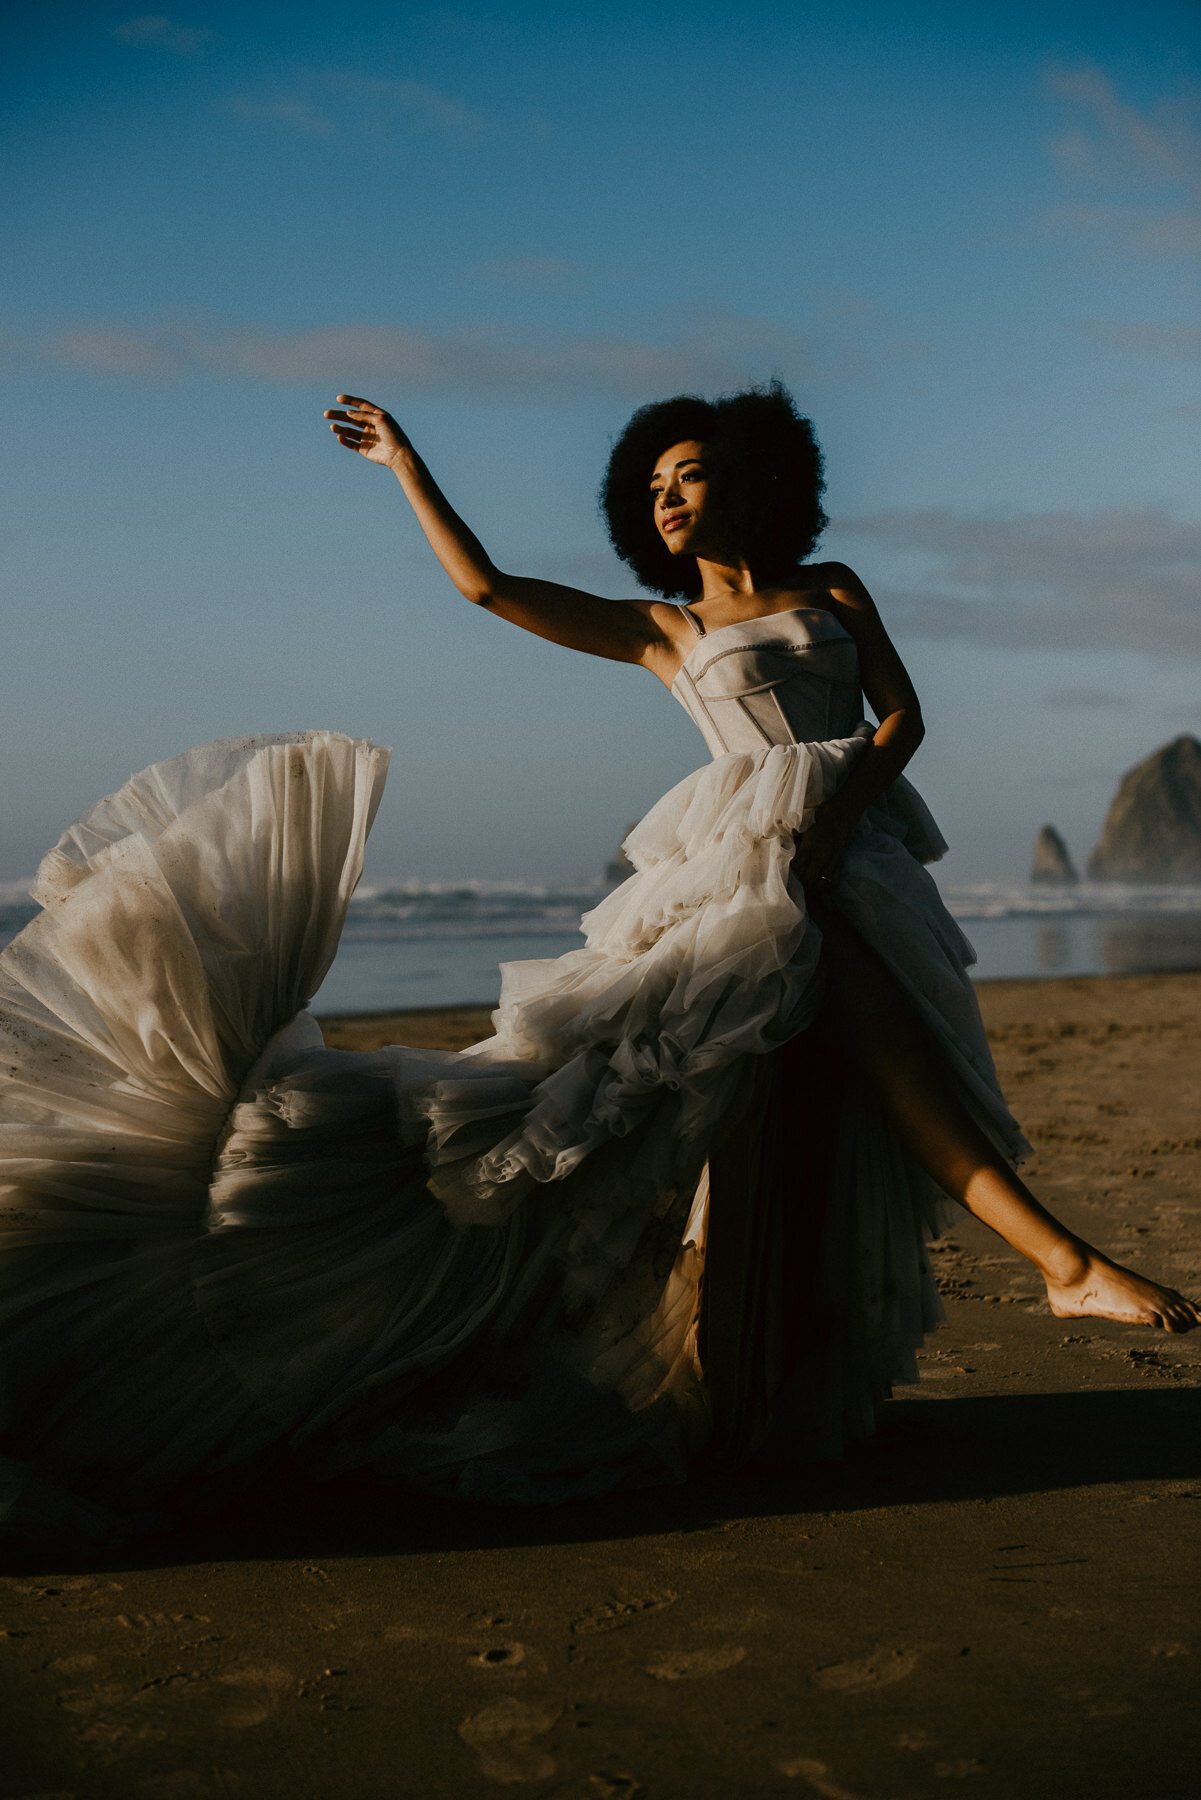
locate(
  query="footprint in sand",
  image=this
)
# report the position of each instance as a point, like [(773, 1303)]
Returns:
[(263, 1687), (192, 1784), (503, 1737), (498, 1656), (614, 1614), (686, 1664), (818, 1776), (879, 1669), (99, 1698), (607, 1785)]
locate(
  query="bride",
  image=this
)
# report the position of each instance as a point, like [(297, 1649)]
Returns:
[(671, 1214)]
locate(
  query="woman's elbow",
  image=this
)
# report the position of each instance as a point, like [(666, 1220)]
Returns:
[(486, 587)]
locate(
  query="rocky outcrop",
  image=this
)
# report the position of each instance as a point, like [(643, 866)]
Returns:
[(1052, 861), (1152, 831)]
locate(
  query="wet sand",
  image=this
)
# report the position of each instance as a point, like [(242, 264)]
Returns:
[(999, 1597)]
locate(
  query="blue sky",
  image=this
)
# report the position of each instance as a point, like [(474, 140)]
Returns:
[(967, 236)]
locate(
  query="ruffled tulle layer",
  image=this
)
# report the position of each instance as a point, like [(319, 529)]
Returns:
[(223, 1244)]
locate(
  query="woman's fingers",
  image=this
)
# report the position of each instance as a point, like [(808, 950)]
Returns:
[(360, 405)]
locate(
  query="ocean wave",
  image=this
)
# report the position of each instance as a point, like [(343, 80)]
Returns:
[(1003, 900), (416, 911)]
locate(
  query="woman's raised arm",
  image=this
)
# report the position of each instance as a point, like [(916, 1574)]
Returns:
[(623, 630)]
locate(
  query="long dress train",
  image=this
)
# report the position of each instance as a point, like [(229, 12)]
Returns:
[(225, 1248)]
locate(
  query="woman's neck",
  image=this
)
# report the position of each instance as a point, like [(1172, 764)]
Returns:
[(730, 580), (736, 584)]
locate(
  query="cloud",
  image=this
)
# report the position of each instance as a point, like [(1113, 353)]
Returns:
[(415, 101), (1094, 776), (128, 354), (296, 113), (1147, 338), (1129, 228), (1121, 578), (1144, 164), (160, 33), (1085, 699), (485, 361), (365, 100), (1115, 139), (530, 271)]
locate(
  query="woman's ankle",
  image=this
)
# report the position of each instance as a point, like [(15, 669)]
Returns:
[(1068, 1262)]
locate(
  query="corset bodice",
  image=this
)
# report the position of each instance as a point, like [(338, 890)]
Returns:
[(788, 678)]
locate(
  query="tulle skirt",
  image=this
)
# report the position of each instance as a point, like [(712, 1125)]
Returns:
[(226, 1249)]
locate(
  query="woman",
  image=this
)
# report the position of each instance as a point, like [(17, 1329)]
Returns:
[(228, 1248)]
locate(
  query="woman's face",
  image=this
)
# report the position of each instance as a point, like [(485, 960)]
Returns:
[(682, 496)]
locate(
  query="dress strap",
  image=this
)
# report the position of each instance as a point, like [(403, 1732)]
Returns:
[(693, 620)]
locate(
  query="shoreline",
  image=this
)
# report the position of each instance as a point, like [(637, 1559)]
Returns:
[(454, 1026), (985, 981)]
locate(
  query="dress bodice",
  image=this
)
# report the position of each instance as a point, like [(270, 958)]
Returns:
[(786, 678)]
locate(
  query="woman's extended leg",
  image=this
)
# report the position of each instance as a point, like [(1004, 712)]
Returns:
[(869, 1017)]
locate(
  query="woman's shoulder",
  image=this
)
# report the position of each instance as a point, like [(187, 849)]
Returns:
[(838, 590), (831, 587), (828, 577)]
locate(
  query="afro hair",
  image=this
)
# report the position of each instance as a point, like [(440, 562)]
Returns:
[(766, 447)]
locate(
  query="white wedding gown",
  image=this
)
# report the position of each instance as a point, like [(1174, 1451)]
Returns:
[(226, 1249)]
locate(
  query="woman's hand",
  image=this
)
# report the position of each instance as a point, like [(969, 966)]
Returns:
[(369, 430), (821, 849)]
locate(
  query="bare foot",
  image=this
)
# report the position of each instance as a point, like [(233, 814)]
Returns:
[(1099, 1289)]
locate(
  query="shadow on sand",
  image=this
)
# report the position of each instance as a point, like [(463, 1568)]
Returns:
[(926, 1452)]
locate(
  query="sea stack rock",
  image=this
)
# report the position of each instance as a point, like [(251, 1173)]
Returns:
[(1051, 859), (1152, 831)]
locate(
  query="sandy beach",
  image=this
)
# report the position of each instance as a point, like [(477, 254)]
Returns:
[(998, 1597)]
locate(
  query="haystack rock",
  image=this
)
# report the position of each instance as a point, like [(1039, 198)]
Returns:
[(1051, 859), (1152, 831)]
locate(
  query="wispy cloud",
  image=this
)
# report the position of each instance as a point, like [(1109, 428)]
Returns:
[(1122, 578), (1136, 171), (95, 350), (1085, 699), (530, 271), (320, 102), (157, 32), (1177, 343), (291, 111), (1097, 775), (1140, 230), (414, 101), (487, 361), (1113, 138)]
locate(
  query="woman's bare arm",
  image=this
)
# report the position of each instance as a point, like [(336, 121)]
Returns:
[(893, 699), (622, 630)]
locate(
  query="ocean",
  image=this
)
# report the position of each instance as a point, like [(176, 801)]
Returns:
[(417, 944)]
